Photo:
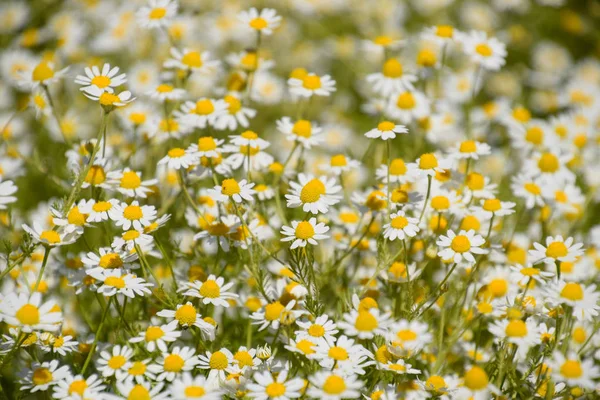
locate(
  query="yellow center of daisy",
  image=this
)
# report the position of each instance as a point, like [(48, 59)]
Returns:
[(137, 118), (139, 393), (218, 360), (428, 161), (312, 191), (273, 311), (521, 114), (95, 175), (498, 287), (492, 205), (207, 143), (397, 167), (483, 49), (468, 146), (398, 269), (117, 362), (111, 260), (108, 99), (204, 107), (383, 40), (516, 328), (572, 291), (476, 379), (460, 244), (78, 387), (210, 289), (115, 281), (399, 222), (579, 335), (137, 368), (101, 81), (435, 382), (194, 391), (548, 163), (426, 58), (440, 203), (51, 237), (406, 101), (133, 212), (250, 135), (304, 230), (258, 23), (218, 229), (334, 385), (305, 346), (392, 68), (164, 88), (176, 152), (186, 314), (475, 181), (130, 180), (153, 333), (158, 13), (571, 369), (406, 335), (101, 206), (533, 188), (275, 389), (339, 160), (168, 125), (302, 128), (131, 235), (235, 104), (173, 363), (316, 330), (229, 187), (376, 200), (534, 135), (556, 250), (338, 353), (445, 31), (41, 376), (365, 321), (311, 82), (349, 217), (192, 59), (386, 126), (42, 72), (75, 217)]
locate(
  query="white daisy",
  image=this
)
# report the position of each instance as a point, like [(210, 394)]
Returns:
[(263, 22), (178, 158), (212, 291), (105, 80), (312, 84), (400, 226), (157, 336), (118, 281), (460, 247), (304, 232), (386, 130), (315, 195), (132, 215)]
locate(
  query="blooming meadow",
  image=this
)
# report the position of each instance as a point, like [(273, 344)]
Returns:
[(316, 199)]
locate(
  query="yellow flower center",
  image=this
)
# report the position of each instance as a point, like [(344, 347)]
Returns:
[(498, 287), (339, 160), (133, 213), (383, 40), (516, 328), (533, 188), (243, 358), (571, 369), (194, 391), (484, 50), (137, 118), (164, 88), (492, 205), (138, 368), (78, 387), (426, 58), (173, 363), (521, 114), (397, 167), (51, 237), (365, 321), (406, 101), (316, 330), (186, 314), (579, 335), (460, 244), (406, 335), (115, 281), (392, 68), (218, 229), (229, 187), (312, 191), (158, 13), (275, 389), (376, 200), (210, 289), (334, 385), (440, 203), (302, 128), (235, 104), (192, 59), (131, 235), (399, 222), (95, 175), (572, 291), (218, 360), (534, 135), (75, 217), (116, 362), (42, 376), (258, 24), (304, 230), (101, 206), (168, 125), (111, 260), (398, 269), (468, 146), (306, 346), (108, 99), (556, 250), (338, 353), (130, 180), (207, 143), (139, 393), (435, 382), (101, 81), (549, 163), (204, 107), (176, 152), (428, 161), (445, 31), (311, 82), (273, 311), (153, 333), (476, 379), (42, 72)]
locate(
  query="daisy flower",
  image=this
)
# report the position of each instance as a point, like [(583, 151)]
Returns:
[(106, 80), (364, 324), (392, 79), (107, 99), (429, 164), (470, 149), (528, 188), (187, 316), (322, 329), (51, 238), (207, 146), (178, 158), (573, 371), (218, 232), (488, 52), (264, 22), (399, 172), (340, 164), (312, 84), (331, 386), (493, 206), (118, 281), (408, 337), (98, 211), (166, 92), (204, 112), (7, 189), (236, 115), (400, 226), (343, 355), (42, 376), (79, 387), (476, 385), (276, 387), (441, 34), (115, 362), (212, 291), (218, 362), (460, 247), (551, 166), (43, 73), (386, 130), (303, 131), (275, 313), (524, 334), (315, 195), (130, 238), (408, 106), (142, 390), (172, 364), (191, 60), (157, 14), (188, 387), (157, 336), (130, 183), (583, 299), (401, 367), (132, 215), (304, 232), (234, 190), (556, 249)]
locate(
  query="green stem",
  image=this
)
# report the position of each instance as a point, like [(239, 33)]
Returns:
[(96, 336)]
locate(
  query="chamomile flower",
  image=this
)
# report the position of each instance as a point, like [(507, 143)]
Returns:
[(386, 130), (392, 78), (173, 363), (78, 387), (528, 188), (230, 189), (574, 371), (314, 195), (204, 112), (187, 387), (142, 390), (237, 114), (493, 206), (401, 367), (400, 226), (130, 183), (42, 376), (191, 60), (488, 52), (166, 92), (408, 106), (116, 362), (556, 249), (178, 158), (470, 149), (460, 247), (44, 73), (51, 238), (304, 232), (186, 316), (303, 131), (107, 99), (408, 337), (322, 329), (132, 215), (157, 336), (275, 314), (333, 386), (312, 84), (364, 323), (105, 79), (583, 299), (212, 291), (218, 362), (118, 281), (276, 387), (263, 22), (157, 13), (524, 334)]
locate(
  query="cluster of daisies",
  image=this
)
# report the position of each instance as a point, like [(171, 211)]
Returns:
[(327, 200)]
